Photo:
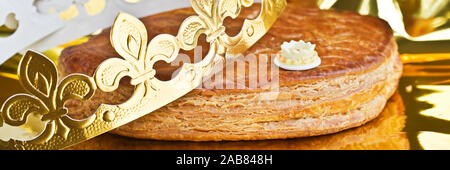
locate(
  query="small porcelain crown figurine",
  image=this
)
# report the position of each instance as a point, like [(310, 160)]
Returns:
[(298, 55)]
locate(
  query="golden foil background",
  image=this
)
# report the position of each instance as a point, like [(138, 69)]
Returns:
[(424, 89)]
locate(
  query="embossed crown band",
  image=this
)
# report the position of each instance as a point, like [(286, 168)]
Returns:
[(47, 95)]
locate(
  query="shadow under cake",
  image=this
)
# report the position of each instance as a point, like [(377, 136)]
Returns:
[(359, 72)]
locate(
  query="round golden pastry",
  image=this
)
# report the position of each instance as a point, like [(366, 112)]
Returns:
[(359, 72)]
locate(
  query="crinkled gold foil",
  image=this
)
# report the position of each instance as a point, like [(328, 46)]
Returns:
[(416, 20)]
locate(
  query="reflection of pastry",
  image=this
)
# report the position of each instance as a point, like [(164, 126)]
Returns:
[(384, 132), (359, 71)]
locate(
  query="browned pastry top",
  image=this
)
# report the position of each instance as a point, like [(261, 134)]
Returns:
[(347, 43)]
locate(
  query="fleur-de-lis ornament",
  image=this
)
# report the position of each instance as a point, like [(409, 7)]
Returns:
[(46, 97), (129, 39)]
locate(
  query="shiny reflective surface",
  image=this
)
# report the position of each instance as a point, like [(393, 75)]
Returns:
[(417, 20), (425, 89)]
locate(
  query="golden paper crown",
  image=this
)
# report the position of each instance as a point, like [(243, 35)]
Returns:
[(46, 95)]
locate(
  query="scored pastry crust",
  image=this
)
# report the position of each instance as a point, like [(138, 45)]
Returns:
[(360, 70)]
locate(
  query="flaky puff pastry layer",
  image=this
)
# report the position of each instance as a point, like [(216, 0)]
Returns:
[(359, 72)]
